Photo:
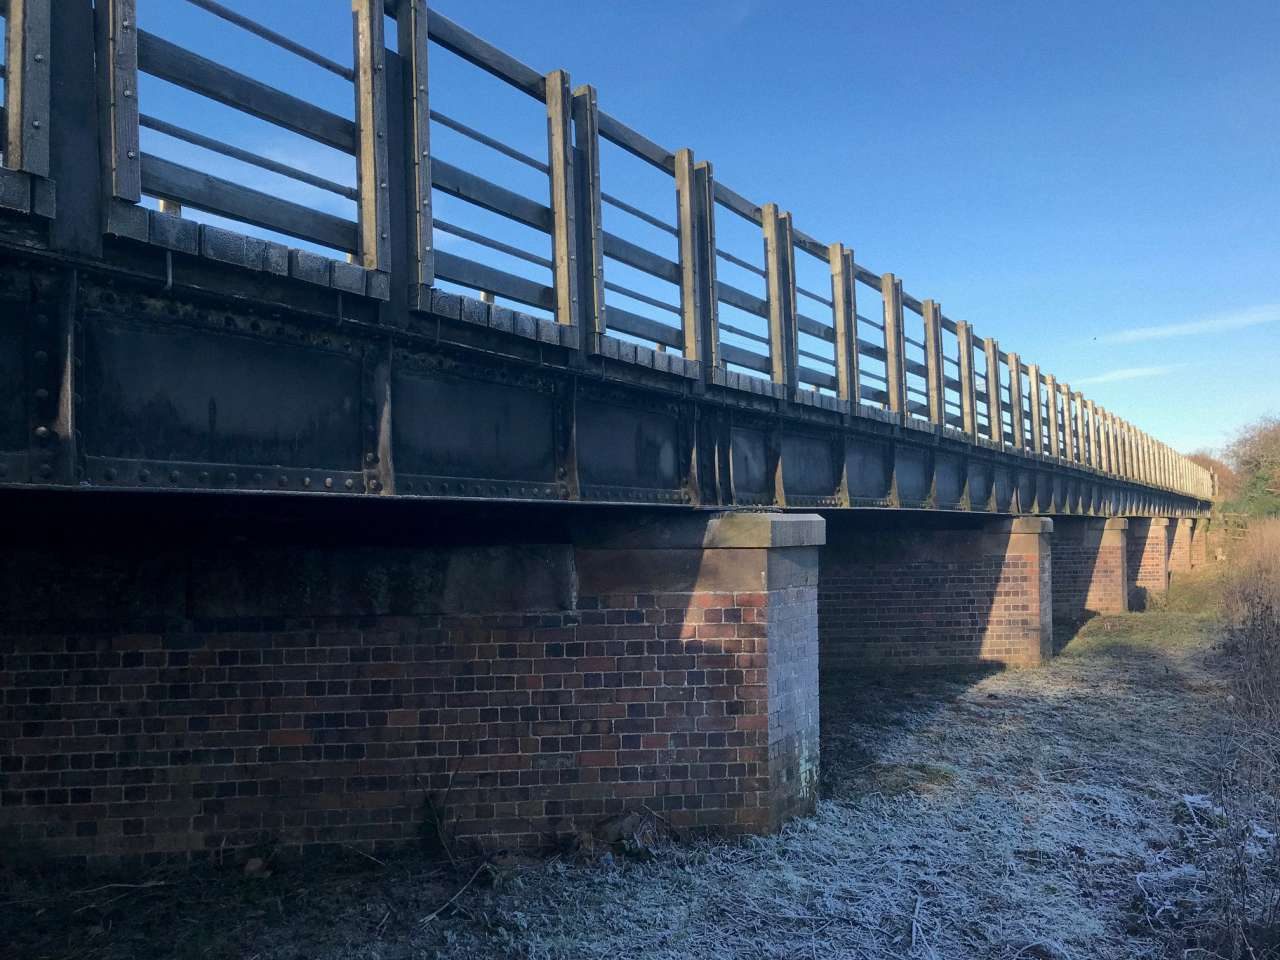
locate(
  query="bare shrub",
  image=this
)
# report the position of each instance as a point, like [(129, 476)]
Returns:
[(1251, 603), (1239, 851)]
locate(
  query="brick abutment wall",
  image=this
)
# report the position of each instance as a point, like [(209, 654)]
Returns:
[(903, 592), (217, 699)]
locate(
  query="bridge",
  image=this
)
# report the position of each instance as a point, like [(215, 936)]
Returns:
[(315, 516)]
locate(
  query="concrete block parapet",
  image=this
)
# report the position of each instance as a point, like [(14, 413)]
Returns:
[(920, 591)]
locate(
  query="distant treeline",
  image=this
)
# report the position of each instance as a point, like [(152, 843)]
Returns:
[(1249, 470)]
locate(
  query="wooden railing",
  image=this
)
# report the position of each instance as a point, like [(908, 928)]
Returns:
[(902, 358)]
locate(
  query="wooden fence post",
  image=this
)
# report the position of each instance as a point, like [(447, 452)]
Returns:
[(374, 202), (1037, 415), (995, 411), (118, 96), (779, 252), (1015, 402), (586, 132), (1082, 455), (1104, 440), (894, 348), (844, 315), (1068, 424), (564, 234), (1051, 400), (1130, 460), (412, 45), (968, 379), (698, 304), (935, 384), (27, 42)]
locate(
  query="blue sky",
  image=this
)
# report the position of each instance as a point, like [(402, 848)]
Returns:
[(1097, 185)]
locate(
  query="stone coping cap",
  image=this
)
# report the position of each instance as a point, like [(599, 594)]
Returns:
[(710, 530), (1022, 525)]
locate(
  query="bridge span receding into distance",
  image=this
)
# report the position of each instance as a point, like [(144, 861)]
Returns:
[(313, 516)]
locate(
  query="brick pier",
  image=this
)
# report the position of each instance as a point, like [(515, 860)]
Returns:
[(1147, 560), (935, 591), (1089, 567)]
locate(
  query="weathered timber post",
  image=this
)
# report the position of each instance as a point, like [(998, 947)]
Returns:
[(412, 45), (564, 233), (374, 203), (779, 253), (1037, 416), (1117, 445), (1104, 440), (698, 303), (1015, 402), (894, 348), (968, 380), (844, 316), (1131, 452), (1122, 460), (118, 100), (1051, 398), (1068, 425), (590, 219), (1082, 454), (27, 82), (995, 414), (935, 383)]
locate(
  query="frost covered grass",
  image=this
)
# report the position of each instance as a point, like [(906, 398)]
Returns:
[(1047, 813), (1013, 814)]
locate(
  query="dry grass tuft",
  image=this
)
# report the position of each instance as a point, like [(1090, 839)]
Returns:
[(1230, 897)]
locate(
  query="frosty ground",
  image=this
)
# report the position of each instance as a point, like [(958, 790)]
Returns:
[(1015, 814)]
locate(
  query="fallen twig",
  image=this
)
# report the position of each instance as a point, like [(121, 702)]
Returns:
[(425, 921)]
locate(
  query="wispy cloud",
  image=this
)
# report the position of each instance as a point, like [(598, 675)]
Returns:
[(1219, 323), (1129, 373)]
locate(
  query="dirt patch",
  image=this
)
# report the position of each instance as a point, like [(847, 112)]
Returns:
[(1008, 814)]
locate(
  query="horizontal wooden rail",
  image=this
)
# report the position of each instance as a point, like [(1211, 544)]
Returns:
[(279, 39), (479, 276), (168, 61), (487, 195), (646, 328), (245, 156), (172, 181)]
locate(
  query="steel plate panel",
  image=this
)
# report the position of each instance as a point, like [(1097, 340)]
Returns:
[(751, 463), (914, 475), (13, 389), (452, 427), (870, 470), (180, 395), (808, 467), (627, 447)]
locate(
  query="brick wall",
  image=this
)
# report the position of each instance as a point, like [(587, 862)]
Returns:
[(212, 700), (1200, 543), (926, 591), (1181, 534), (1089, 556), (1147, 560)]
